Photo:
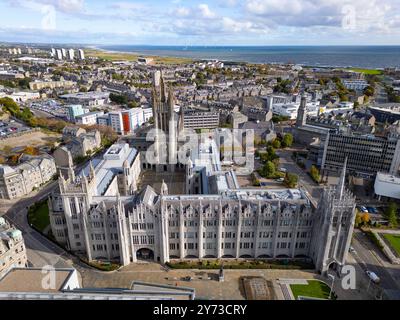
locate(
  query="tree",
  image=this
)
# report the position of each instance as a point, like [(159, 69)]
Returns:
[(315, 175), (276, 144), (358, 220), (117, 98), (369, 91), (10, 105), (365, 218), (269, 170), (31, 151), (287, 140), (291, 180), (133, 104), (391, 214)]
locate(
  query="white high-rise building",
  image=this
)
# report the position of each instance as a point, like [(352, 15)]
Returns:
[(71, 54), (64, 52), (59, 54), (81, 54)]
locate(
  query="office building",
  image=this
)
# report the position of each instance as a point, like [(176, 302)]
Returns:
[(197, 119), (387, 186), (366, 154), (73, 111)]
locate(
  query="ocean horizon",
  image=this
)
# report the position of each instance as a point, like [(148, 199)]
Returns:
[(369, 57)]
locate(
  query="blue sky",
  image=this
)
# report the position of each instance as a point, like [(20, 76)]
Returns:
[(203, 22)]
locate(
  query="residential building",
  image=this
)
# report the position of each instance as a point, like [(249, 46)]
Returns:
[(81, 54), (79, 142), (22, 179), (89, 118), (355, 84), (71, 54), (116, 121), (12, 248), (59, 54), (39, 85)]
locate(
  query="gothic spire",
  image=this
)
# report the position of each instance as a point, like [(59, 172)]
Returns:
[(92, 172), (342, 181)]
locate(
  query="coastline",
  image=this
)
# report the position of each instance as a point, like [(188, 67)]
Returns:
[(312, 56)]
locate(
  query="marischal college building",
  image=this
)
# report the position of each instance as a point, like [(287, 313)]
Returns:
[(101, 213)]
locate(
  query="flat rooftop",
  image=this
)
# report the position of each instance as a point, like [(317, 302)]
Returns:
[(387, 178), (30, 280)]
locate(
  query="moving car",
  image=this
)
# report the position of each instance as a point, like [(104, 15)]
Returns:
[(372, 275)]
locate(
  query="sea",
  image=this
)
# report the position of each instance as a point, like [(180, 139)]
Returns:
[(366, 57)]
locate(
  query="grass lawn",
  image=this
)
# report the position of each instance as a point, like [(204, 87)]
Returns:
[(118, 56), (367, 71), (394, 240), (38, 215), (314, 289)]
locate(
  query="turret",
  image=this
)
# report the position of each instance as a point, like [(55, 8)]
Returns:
[(164, 188), (302, 112)]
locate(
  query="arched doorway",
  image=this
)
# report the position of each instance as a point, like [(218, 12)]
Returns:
[(333, 266), (145, 254)]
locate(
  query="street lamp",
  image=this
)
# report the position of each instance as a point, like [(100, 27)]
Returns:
[(333, 281)]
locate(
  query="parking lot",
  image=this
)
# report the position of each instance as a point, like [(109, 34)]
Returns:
[(11, 127)]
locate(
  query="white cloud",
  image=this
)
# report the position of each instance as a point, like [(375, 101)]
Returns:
[(206, 13)]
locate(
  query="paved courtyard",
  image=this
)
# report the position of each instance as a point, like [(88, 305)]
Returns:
[(175, 181)]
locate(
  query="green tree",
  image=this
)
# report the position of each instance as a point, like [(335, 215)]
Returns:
[(276, 144), (117, 98), (133, 104), (287, 140), (291, 180), (269, 170), (315, 175), (391, 214), (10, 105), (369, 91)]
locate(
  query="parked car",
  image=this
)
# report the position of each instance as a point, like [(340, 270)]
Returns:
[(351, 250), (280, 180), (187, 279), (362, 209), (372, 210), (283, 170), (372, 275)]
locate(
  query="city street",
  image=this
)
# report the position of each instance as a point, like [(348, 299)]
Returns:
[(370, 258), (40, 250)]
